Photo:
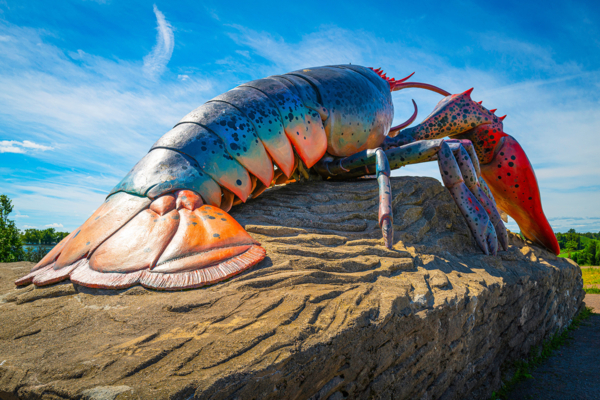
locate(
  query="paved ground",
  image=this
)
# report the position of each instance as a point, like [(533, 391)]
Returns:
[(573, 372), (593, 301)]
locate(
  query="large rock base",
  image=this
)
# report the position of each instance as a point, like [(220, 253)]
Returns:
[(329, 314)]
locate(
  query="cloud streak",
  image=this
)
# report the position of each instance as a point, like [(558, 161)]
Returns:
[(13, 146), (156, 62)]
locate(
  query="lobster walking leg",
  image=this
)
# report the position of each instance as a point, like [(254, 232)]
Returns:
[(458, 175), (376, 158), (385, 197)]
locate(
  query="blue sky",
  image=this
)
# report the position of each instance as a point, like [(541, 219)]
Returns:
[(86, 87)]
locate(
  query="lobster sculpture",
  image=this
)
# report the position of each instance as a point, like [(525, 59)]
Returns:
[(165, 225)]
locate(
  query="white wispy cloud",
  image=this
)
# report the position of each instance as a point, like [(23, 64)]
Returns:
[(54, 225), (85, 104), (156, 62), (13, 146)]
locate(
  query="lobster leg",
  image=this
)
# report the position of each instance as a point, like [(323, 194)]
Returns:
[(452, 175), (460, 177), (385, 196)]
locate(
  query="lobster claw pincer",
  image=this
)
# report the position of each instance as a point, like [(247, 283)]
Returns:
[(473, 211), (513, 183)]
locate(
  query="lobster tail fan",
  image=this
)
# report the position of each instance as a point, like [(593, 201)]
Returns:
[(174, 242)]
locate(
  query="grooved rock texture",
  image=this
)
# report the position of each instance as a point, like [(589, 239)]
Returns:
[(329, 314)]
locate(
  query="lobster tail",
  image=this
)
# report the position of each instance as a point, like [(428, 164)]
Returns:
[(173, 242)]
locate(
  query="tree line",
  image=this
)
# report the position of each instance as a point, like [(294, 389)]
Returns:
[(12, 240), (39, 236), (583, 248)]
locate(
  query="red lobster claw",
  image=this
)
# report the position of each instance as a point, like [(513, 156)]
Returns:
[(513, 184)]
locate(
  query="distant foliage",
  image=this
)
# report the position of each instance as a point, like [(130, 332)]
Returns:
[(12, 241), (40, 237), (35, 255), (11, 249), (583, 248), (46, 236)]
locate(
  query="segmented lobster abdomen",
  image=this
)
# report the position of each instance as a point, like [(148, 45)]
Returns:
[(166, 170), (241, 133), (238, 134), (265, 117)]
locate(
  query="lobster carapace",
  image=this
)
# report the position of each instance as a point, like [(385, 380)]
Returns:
[(165, 225)]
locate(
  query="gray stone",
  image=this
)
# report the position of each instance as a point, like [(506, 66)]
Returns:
[(104, 392), (330, 313)]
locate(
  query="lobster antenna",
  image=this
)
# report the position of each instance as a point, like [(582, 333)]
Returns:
[(406, 85), (394, 130), (396, 85)]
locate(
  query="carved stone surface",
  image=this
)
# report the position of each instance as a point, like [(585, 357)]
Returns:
[(330, 313)]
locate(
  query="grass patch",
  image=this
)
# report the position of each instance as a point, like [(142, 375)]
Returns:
[(591, 276), (523, 368)]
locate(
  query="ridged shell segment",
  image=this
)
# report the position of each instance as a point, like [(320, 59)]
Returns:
[(238, 134), (265, 117), (163, 171), (211, 155), (309, 141)]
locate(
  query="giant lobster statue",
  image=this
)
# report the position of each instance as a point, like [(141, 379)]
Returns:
[(166, 226)]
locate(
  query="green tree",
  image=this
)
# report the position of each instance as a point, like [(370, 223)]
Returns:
[(575, 258), (58, 236), (30, 236), (11, 249), (590, 252), (571, 245), (48, 236)]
